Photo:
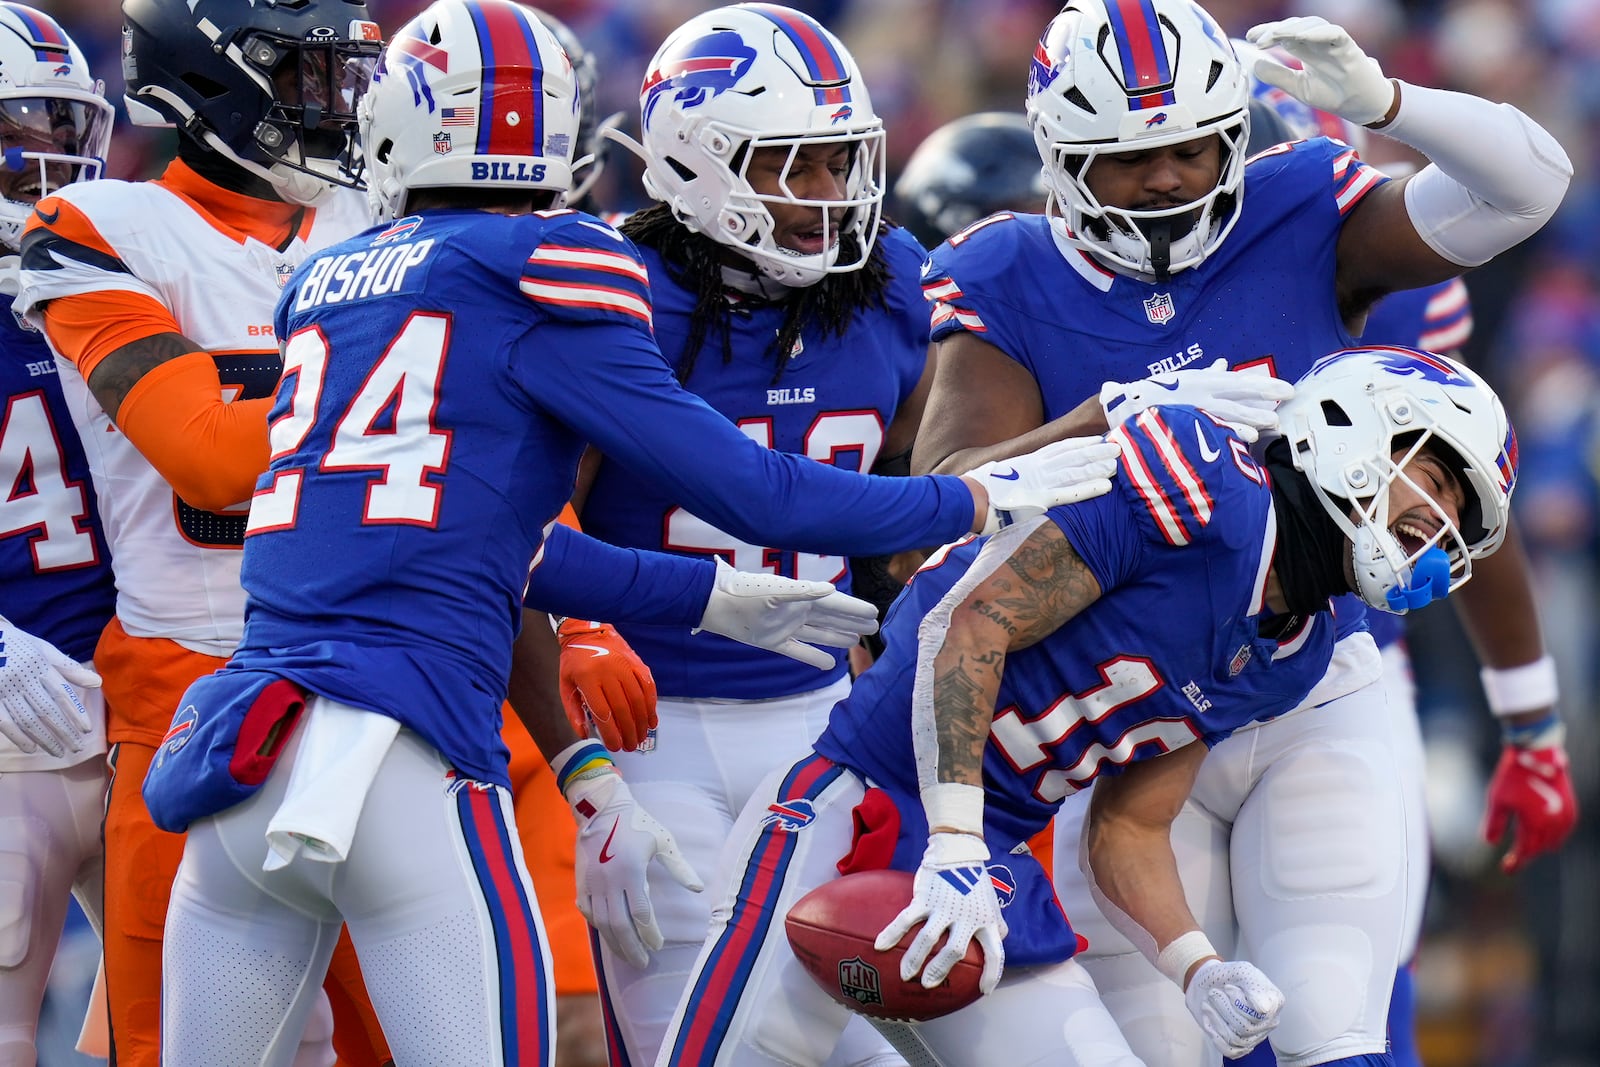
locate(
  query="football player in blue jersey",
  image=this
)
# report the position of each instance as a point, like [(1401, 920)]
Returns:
[(55, 127), (1436, 318), (442, 371), (1161, 254), (1021, 668), (782, 298)]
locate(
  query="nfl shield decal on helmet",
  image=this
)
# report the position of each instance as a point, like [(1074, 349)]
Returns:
[(442, 144), (1158, 309), (859, 981)]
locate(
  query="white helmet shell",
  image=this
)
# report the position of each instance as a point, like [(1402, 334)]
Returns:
[(1113, 76), (738, 79), (1349, 416), (472, 94)]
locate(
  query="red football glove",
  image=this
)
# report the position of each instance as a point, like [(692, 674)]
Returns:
[(605, 686), (1533, 786)]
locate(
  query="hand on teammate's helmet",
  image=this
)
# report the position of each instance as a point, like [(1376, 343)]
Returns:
[(617, 839), (1246, 401), (953, 893), (785, 616), (38, 707), (1336, 75), (1234, 1003), (1531, 795), (605, 687), (1062, 472)]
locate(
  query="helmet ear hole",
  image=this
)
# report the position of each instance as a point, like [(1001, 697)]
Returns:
[(205, 86), (681, 169), (384, 149), (1334, 415)]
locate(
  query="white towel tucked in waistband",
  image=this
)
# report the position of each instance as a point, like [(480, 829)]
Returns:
[(340, 751)]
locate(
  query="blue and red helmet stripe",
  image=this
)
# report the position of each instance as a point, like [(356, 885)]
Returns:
[(513, 81), (822, 60), (45, 36), (1146, 70)]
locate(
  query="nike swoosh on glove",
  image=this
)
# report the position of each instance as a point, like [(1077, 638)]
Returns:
[(1062, 472), (617, 839), (1532, 786), (1335, 75), (1234, 1003), (605, 687), (1246, 400), (38, 707), (785, 616), (952, 893)]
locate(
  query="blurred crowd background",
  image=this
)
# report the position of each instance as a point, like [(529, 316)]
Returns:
[(1509, 969)]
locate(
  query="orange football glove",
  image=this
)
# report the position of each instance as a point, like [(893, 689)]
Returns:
[(606, 688)]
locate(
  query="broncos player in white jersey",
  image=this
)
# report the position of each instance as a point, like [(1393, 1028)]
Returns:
[(1019, 670), (442, 371), (1163, 253)]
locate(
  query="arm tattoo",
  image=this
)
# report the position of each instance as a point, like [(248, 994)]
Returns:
[(963, 705), (120, 371), (1042, 586)]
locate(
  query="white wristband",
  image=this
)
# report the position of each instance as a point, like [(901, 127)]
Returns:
[(1182, 953), (1515, 690), (954, 807)]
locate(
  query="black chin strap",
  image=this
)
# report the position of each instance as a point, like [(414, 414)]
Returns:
[(1311, 550)]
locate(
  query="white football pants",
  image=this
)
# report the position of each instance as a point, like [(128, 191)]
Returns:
[(437, 900), (1295, 853)]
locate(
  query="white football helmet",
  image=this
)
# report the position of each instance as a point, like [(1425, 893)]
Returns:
[(471, 94), (55, 123), (1110, 77), (1349, 415), (754, 76)]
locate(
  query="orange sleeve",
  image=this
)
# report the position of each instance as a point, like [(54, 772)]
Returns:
[(210, 451), (88, 327), (568, 517)]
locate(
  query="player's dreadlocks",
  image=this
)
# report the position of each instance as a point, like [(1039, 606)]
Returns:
[(696, 263)]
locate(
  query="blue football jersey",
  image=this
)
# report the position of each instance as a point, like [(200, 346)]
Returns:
[(1435, 318), (1169, 654), (55, 567), (834, 400), (441, 374), (1264, 299)]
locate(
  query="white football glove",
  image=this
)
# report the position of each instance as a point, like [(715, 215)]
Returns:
[(1234, 1003), (617, 839), (781, 614), (1062, 472), (1337, 75), (953, 892), (38, 708), (1245, 400)]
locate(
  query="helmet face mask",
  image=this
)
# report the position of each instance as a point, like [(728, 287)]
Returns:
[(448, 110), (735, 81), (1356, 423), (1104, 83), (274, 88), (55, 124)]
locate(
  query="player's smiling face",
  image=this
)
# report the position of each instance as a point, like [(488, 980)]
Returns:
[(1412, 518), (818, 171), (1158, 177)]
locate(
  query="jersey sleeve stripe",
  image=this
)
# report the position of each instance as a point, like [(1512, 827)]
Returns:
[(561, 256), (1178, 465), (1362, 180), (1269, 548), (941, 290), (968, 320), (1154, 496), (568, 294), (1447, 338), (1292, 643), (57, 226)]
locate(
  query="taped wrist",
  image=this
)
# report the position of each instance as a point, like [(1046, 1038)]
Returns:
[(954, 808), (1515, 690), (1470, 205), (579, 769), (1182, 953)]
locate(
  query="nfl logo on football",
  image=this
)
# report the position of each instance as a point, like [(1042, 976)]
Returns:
[(858, 980), (441, 143), (1158, 309)]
